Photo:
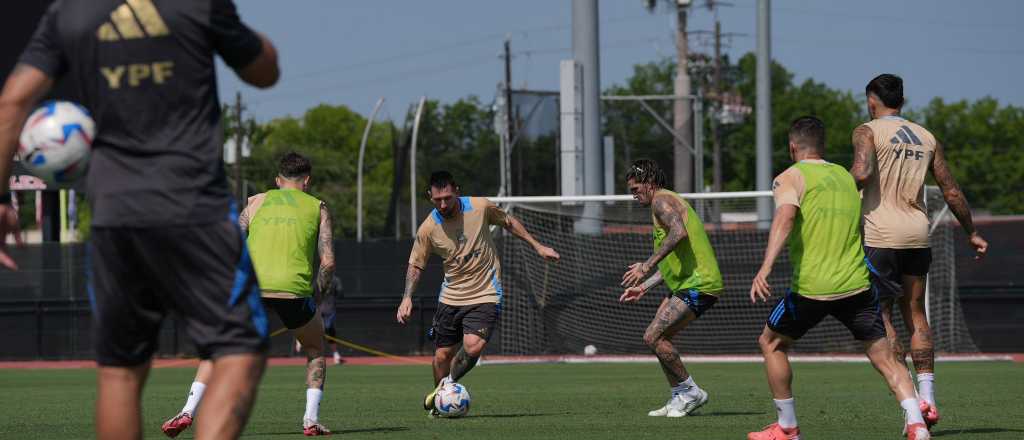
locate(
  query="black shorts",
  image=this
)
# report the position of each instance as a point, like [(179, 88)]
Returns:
[(451, 322), (796, 314), (888, 266), (202, 274), (294, 313), (696, 301)]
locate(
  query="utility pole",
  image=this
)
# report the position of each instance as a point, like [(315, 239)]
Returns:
[(509, 118), (716, 136), (681, 123), (239, 138), (764, 112)]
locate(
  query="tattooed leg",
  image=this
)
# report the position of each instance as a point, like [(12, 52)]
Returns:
[(468, 355), (673, 315), (890, 331), (914, 317), (311, 336)]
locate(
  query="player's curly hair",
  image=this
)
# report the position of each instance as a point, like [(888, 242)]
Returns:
[(646, 171), (294, 165)]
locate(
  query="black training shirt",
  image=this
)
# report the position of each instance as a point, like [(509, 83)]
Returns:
[(145, 71)]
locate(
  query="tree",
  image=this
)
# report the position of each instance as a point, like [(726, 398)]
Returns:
[(638, 130), (330, 136), (982, 143)]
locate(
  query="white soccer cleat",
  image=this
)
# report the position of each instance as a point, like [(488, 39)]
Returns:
[(681, 405)]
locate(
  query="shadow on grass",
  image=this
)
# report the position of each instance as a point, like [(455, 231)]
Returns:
[(974, 431), (729, 413), (510, 416), (381, 430)]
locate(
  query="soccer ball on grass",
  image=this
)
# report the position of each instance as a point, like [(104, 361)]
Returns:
[(452, 400)]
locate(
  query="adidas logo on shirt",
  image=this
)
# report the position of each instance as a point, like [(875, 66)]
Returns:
[(135, 19), (906, 136)]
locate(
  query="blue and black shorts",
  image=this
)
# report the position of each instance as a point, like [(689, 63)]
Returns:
[(697, 302), (795, 314)]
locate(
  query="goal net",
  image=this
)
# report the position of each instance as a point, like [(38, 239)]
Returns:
[(559, 308)]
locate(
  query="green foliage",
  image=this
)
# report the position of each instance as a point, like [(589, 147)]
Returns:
[(459, 137), (330, 136), (637, 134), (982, 142)]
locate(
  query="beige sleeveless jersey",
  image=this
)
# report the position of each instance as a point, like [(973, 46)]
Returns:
[(893, 202)]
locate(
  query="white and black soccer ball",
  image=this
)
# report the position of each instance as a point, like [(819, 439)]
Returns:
[(452, 400), (56, 141)]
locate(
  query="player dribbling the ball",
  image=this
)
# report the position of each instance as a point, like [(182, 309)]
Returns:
[(458, 230)]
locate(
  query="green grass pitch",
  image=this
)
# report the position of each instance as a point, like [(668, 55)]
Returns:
[(584, 401)]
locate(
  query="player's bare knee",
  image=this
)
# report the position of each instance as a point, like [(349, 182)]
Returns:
[(443, 355), (475, 347), (770, 342)]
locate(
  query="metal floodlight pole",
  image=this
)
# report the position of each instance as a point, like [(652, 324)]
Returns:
[(764, 110), (412, 166), (359, 170), (585, 35)]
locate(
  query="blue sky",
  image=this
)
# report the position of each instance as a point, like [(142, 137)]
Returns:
[(353, 52)]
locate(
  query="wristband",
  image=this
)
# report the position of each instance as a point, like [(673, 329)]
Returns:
[(5, 199)]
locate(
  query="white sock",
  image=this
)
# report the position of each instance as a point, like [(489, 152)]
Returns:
[(195, 394), (685, 387), (910, 406), (313, 396), (925, 386), (787, 412)]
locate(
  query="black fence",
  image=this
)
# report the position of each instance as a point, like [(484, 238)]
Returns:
[(45, 311)]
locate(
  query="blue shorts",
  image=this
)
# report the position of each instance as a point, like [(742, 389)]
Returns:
[(696, 301)]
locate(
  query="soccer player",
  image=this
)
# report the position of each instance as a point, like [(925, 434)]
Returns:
[(458, 230), (287, 229), (818, 211), (684, 260), (892, 158), (162, 238)]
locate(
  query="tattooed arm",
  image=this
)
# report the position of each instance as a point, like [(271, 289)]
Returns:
[(864, 159), (418, 257), (671, 213), (243, 221), (956, 200), (325, 248), (634, 293), (412, 279), (245, 217)]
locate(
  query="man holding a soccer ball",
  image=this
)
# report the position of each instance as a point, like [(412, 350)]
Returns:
[(163, 239)]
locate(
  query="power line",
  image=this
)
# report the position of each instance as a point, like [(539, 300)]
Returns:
[(889, 18), (462, 43), (400, 76)]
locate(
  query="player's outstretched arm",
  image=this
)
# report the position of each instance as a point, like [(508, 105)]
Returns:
[(782, 225), (412, 279), (956, 200), (325, 248), (24, 87), (671, 213), (864, 159), (634, 293), (262, 72), (516, 227)]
